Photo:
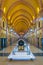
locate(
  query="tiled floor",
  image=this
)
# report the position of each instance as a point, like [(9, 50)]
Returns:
[(5, 61)]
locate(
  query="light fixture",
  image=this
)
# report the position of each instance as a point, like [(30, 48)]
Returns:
[(33, 17), (31, 30), (21, 33), (11, 21), (8, 17), (31, 21), (37, 9), (11, 30), (14, 33), (4, 9)]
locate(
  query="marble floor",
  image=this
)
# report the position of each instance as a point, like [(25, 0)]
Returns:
[(4, 60)]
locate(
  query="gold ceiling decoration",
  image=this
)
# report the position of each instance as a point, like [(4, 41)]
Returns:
[(21, 13)]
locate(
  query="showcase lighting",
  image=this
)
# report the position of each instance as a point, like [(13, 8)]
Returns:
[(11, 30), (31, 30), (14, 33)]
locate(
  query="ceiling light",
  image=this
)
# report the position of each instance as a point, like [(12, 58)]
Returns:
[(8, 17), (11, 21), (4, 9), (31, 21), (37, 9), (33, 17)]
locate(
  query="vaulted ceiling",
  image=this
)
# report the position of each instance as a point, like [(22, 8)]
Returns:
[(21, 13)]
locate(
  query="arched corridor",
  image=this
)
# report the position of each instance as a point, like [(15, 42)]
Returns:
[(21, 20)]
